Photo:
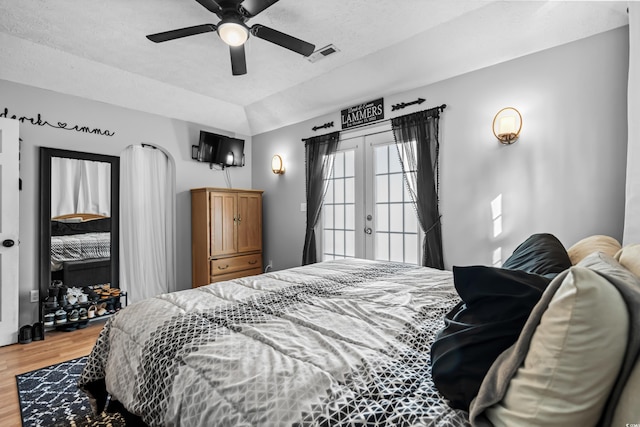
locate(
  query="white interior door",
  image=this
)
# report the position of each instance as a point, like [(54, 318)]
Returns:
[(9, 214)]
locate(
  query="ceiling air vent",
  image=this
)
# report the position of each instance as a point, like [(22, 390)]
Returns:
[(322, 53)]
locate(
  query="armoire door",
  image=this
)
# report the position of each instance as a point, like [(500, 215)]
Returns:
[(249, 222), (223, 226)]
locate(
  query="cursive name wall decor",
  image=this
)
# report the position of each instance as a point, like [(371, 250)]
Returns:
[(37, 121)]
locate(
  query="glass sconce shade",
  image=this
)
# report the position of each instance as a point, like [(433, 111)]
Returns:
[(277, 165), (507, 125)]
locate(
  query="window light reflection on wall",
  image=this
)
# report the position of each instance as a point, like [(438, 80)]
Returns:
[(496, 216)]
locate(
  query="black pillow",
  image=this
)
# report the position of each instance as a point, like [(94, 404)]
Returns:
[(495, 305), (540, 254)]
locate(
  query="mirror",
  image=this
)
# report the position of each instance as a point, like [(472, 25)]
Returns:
[(79, 221)]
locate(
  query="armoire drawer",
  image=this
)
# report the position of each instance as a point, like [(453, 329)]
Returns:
[(233, 264)]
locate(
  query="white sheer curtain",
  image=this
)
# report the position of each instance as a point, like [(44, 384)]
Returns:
[(632, 210), (147, 223), (80, 186)]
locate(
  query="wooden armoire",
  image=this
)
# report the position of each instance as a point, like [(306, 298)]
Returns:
[(226, 234)]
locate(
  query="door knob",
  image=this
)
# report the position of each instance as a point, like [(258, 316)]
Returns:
[(368, 230), (8, 243)]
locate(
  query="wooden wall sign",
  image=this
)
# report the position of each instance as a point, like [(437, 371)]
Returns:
[(363, 113)]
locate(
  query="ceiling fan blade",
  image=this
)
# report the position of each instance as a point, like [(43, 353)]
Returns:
[(251, 8), (282, 39), (211, 5), (238, 60), (181, 32)]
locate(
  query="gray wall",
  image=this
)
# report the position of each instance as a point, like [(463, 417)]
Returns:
[(565, 175), (130, 127)]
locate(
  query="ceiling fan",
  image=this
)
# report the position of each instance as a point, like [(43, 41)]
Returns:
[(233, 30)]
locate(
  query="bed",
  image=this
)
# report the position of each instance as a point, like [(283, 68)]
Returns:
[(81, 249), (344, 342)]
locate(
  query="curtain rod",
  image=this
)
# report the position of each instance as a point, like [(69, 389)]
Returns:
[(440, 107)]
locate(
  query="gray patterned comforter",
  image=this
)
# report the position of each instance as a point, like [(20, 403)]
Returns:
[(77, 247), (338, 343)]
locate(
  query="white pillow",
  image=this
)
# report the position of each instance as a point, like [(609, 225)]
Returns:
[(573, 360), (629, 257), (591, 244)]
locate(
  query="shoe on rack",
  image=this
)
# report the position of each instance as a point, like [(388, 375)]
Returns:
[(102, 309), (49, 319), (93, 295), (82, 313), (37, 331), (53, 291), (51, 303), (24, 336), (73, 316), (61, 317)]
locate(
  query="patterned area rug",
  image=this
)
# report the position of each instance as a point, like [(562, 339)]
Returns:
[(51, 397)]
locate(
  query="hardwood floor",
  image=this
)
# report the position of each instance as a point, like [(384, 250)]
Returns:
[(20, 358)]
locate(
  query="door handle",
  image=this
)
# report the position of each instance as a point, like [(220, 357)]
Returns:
[(8, 243), (368, 230)]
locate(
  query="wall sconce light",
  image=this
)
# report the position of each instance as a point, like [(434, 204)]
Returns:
[(507, 125), (277, 165)]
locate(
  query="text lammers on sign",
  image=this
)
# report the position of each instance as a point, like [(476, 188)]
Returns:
[(364, 113)]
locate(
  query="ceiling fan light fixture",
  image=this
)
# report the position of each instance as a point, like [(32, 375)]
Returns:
[(233, 33)]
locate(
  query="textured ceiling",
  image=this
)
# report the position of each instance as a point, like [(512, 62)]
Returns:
[(98, 50)]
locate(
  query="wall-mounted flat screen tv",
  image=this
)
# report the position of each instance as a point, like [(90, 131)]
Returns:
[(207, 146), (230, 152), (219, 149)]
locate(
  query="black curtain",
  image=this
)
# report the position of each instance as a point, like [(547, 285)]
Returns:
[(319, 154), (416, 137)]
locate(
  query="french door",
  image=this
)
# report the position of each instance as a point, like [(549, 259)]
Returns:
[(367, 211)]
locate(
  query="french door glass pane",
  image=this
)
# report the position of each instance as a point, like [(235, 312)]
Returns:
[(349, 217), (328, 216), (410, 218), (339, 216), (339, 209), (396, 233), (339, 244), (382, 217), (328, 241), (396, 187), (382, 188), (395, 212), (350, 244), (382, 245), (396, 247)]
